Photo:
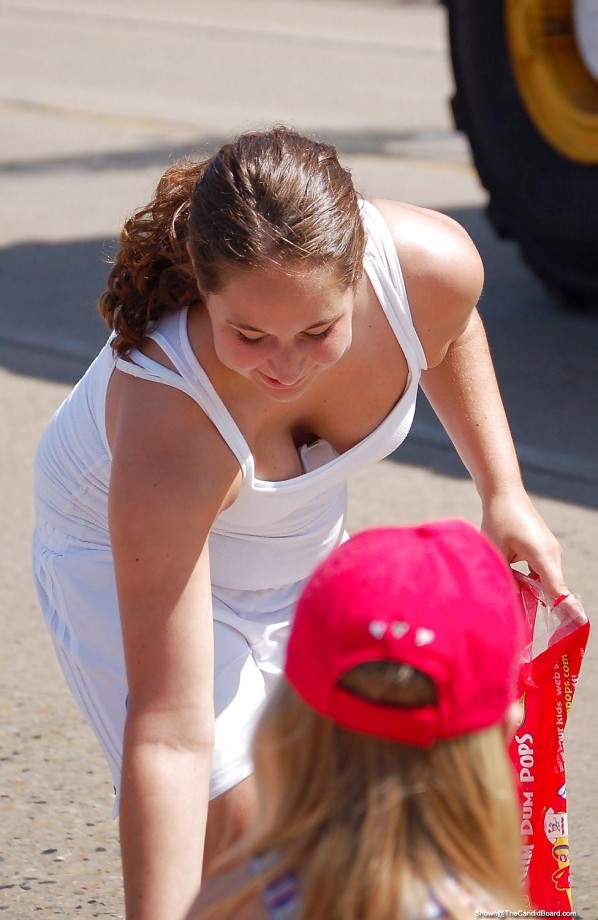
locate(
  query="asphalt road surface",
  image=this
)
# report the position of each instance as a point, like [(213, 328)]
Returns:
[(96, 99)]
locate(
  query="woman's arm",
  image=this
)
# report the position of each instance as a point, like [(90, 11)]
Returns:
[(444, 277), (170, 476), (463, 392)]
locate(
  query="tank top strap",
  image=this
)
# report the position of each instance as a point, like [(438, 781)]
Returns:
[(192, 380), (383, 267)]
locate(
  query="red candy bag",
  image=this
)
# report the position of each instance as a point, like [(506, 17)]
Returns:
[(552, 660)]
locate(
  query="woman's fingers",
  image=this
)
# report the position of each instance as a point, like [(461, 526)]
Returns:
[(568, 604), (557, 593)]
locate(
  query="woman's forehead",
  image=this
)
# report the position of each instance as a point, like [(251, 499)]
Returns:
[(247, 296), (280, 275)]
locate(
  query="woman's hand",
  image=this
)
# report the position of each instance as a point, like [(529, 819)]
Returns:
[(513, 524)]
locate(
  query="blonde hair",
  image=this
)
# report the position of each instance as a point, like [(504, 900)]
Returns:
[(372, 828)]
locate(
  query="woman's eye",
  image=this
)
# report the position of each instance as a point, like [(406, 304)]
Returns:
[(248, 341), (319, 335)]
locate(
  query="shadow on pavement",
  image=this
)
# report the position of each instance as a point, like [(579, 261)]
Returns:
[(379, 143), (545, 360), (50, 324)]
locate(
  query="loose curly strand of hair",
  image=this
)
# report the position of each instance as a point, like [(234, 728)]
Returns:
[(152, 272)]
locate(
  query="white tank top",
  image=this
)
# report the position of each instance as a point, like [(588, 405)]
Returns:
[(275, 532)]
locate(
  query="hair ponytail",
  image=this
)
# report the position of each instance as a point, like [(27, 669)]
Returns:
[(152, 272)]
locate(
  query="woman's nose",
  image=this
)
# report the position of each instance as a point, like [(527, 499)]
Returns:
[(286, 365)]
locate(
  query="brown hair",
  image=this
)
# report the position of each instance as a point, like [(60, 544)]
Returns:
[(271, 196), (371, 827)]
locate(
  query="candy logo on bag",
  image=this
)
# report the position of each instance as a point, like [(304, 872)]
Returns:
[(555, 828), (552, 661)]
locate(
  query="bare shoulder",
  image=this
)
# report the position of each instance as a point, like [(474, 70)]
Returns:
[(220, 888), (159, 433), (443, 272)]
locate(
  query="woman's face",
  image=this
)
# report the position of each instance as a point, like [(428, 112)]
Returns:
[(281, 330)]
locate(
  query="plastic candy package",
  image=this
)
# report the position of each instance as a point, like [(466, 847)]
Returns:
[(555, 646)]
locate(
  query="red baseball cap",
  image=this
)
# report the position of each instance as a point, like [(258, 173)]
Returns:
[(438, 597)]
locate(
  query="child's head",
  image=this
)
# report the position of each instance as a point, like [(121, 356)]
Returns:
[(386, 745), (410, 634)]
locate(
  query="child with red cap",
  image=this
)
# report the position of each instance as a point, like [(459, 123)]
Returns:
[(384, 784)]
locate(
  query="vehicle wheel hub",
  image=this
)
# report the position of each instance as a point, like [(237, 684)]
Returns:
[(553, 45)]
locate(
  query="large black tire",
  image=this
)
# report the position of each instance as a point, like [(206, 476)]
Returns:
[(546, 202)]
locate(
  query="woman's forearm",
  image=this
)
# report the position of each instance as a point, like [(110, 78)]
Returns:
[(464, 393), (164, 799)]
